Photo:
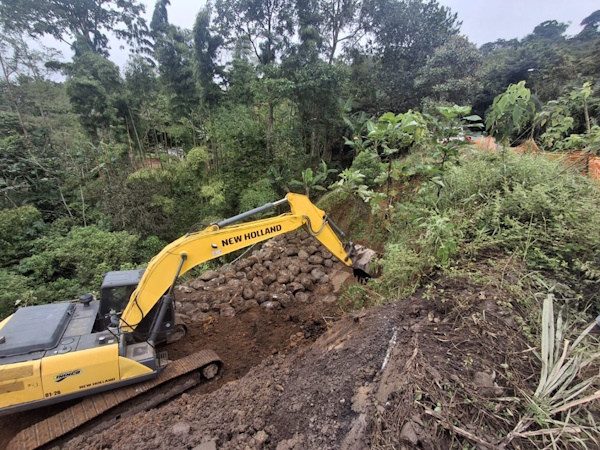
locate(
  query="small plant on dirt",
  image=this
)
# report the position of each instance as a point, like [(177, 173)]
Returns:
[(560, 406), (441, 237), (358, 296), (351, 183)]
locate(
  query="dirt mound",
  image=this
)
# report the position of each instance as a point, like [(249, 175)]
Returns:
[(444, 368), (397, 376), (302, 400)]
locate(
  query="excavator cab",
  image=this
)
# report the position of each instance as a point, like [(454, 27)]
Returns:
[(115, 294), (116, 290)]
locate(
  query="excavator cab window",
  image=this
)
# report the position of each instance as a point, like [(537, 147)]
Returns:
[(115, 298), (116, 290)]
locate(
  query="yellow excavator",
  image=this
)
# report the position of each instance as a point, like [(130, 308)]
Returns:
[(56, 352)]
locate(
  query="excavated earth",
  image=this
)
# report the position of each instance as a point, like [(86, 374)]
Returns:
[(301, 372)]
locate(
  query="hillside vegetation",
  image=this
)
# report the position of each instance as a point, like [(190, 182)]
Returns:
[(364, 106)]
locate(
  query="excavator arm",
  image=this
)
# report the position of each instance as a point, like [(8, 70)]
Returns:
[(222, 238)]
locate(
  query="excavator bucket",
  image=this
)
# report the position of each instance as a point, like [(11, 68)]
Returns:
[(364, 263)]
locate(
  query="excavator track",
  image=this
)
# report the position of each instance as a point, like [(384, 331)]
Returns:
[(93, 406)]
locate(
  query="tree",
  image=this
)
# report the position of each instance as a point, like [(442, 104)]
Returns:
[(10, 49), (511, 112), (590, 26), (550, 30), (160, 17), (268, 26), (317, 87), (206, 47), (174, 52), (70, 20), (335, 21), (452, 73), (93, 89), (402, 35)]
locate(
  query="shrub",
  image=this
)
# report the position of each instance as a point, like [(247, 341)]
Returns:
[(18, 227), (529, 207), (369, 164), (15, 292), (74, 264), (257, 195)]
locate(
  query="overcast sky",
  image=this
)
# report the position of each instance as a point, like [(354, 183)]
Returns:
[(482, 20), (489, 20)]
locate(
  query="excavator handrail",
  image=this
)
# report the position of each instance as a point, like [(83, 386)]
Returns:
[(225, 237)]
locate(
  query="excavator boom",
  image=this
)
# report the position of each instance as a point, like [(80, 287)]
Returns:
[(224, 237)]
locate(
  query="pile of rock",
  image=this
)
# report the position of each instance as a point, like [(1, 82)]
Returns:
[(287, 269)]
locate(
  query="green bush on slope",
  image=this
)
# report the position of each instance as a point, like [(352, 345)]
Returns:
[(527, 206)]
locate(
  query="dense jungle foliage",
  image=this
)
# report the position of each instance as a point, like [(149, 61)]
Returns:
[(98, 171)]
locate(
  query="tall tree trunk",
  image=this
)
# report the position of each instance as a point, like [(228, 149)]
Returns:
[(270, 121)]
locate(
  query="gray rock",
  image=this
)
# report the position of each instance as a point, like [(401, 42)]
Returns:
[(218, 281), (306, 268), (312, 249), (485, 384), (295, 287), (207, 276), (303, 254), (196, 284), (230, 276), (180, 428), (329, 299), (318, 274), (262, 296), (237, 302), (271, 304), (258, 284), (315, 259), (285, 276), (284, 299), (302, 297), (234, 283), (248, 293), (250, 303), (408, 433), (210, 445), (227, 311), (269, 278), (277, 288), (306, 281), (291, 251), (261, 437), (328, 263)]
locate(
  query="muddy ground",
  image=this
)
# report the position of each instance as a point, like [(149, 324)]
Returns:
[(302, 372)]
